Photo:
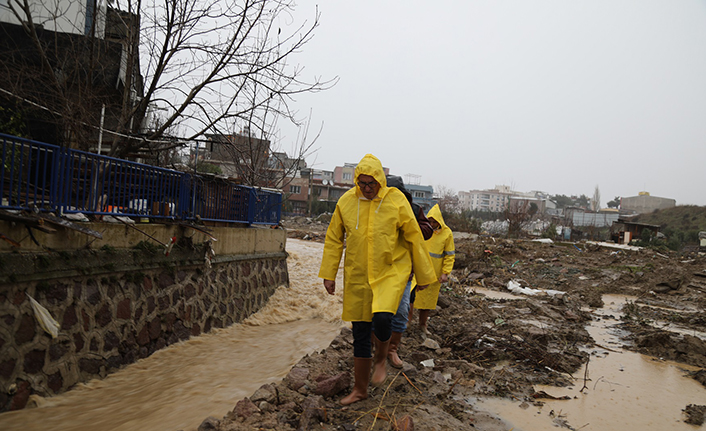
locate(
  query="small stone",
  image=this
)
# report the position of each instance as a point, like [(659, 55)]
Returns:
[(245, 408), (333, 385), (431, 344), (209, 424), (266, 393), (297, 378)]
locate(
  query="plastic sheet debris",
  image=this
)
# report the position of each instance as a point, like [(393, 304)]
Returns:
[(515, 287), (46, 321)]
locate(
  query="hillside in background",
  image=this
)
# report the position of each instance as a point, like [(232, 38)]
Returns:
[(681, 222)]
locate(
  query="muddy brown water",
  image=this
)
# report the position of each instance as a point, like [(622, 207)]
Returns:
[(178, 387), (624, 390)]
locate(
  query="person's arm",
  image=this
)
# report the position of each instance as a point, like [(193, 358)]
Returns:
[(449, 258), (333, 250)]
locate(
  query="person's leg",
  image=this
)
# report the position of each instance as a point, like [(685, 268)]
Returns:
[(423, 317), (383, 331), (412, 297), (399, 325), (362, 352)]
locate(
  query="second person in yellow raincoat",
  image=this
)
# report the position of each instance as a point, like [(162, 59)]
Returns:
[(382, 242), (443, 255)]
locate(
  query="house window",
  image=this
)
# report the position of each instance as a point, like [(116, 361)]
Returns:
[(347, 176), (418, 194), (295, 189)]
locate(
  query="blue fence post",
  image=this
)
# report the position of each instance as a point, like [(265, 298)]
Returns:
[(252, 204)]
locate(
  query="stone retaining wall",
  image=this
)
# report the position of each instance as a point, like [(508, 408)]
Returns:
[(114, 314)]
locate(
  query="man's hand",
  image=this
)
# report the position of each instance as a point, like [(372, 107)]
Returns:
[(421, 287), (330, 286), (444, 278)]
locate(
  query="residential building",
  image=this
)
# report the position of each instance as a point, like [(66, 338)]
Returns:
[(644, 203), (422, 195), (311, 187), (93, 77), (344, 174), (75, 17), (494, 200)]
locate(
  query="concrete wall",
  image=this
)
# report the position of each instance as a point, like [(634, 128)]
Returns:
[(117, 305)]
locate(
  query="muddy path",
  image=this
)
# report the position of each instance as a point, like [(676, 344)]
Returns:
[(522, 350)]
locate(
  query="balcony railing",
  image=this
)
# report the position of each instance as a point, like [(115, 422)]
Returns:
[(42, 177)]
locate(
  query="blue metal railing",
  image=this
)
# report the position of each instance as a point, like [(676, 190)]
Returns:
[(42, 177)]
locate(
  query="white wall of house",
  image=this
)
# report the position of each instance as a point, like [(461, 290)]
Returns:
[(64, 16)]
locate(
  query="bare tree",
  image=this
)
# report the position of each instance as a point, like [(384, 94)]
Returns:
[(448, 200), (208, 67)]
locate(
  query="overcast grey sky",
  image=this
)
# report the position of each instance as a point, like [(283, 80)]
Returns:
[(558, 96)]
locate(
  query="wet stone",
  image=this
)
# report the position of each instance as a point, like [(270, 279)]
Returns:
[(26, 330), (90, 366), (86, 320), (155, 328), (144, 336), (195, 330), (110, 341), (181, 331), (123, 311), (150, 304), (34, 361), (92, 293), (57, 293), (78, 341), (163, 302), (165, 280), (330, 386), (7, 368), (104, 316), (58, 350), (70, 318), (189, 291), (245, 408), (55, 382), (20, 398), (266, 393), (209, 424), (9, 319), (176, 296)]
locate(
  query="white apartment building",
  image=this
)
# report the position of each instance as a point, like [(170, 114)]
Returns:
[(494, 200), (63, 16)]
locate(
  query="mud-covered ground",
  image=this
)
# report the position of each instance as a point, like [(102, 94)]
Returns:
[(480, 346)]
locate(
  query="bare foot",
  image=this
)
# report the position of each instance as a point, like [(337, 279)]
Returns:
[(353, 397)]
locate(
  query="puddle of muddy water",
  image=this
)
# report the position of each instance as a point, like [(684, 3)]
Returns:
[(624, 390), (178, 387)]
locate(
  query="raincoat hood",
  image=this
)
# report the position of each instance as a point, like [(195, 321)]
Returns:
[(435, 213), (371, 165)]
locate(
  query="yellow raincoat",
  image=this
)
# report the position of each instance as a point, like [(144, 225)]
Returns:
[(443, 254), (383, 241)]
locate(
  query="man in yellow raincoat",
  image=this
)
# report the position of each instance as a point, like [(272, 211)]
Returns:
[(443, 255), (382, 241)]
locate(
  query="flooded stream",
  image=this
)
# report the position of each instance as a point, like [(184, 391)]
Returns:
[(624, 390), (178, 387)]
